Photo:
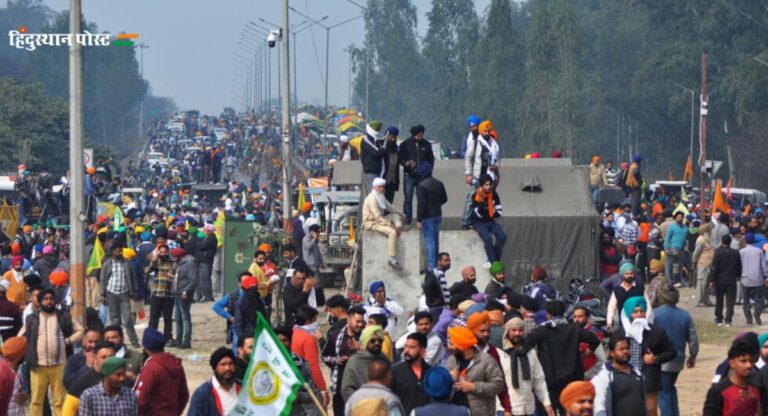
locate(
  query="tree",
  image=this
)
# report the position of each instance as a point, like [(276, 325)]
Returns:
[(27, 114), (448, 51), (497, 69), (397, 75)]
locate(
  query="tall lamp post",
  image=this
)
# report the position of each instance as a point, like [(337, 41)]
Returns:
[(367, 59), (77, 216), (693, 113), (141, 47), (327, 58)]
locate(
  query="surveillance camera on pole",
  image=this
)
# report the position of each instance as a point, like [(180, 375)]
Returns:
[(274, 35)]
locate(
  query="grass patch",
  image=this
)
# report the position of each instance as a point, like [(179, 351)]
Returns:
[(710, 333)]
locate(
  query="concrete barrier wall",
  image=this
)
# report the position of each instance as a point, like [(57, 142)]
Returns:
[(465, 248)]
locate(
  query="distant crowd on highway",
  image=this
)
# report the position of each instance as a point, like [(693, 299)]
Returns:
[(497, 350)]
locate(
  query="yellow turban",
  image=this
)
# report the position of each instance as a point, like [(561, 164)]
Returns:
[(485, 126)]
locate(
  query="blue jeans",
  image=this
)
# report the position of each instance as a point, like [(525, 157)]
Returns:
[(183, 319), (490, 231), (430, 229), (668, 394), (408, 188)]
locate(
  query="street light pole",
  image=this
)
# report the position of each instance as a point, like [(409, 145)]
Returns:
[(285, 88), (141, 47), (693, 112), (76, 207)]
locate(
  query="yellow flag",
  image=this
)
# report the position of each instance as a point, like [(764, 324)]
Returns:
[(219, 228), (302, 199), (97, 255)]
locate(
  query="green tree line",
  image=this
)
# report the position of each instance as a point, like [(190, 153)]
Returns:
[(112, 88), (582, 76)]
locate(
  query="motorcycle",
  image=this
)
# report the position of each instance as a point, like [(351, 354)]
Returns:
[(580, 295)]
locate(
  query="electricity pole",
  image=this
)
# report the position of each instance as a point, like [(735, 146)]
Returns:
[(76, 215), (703, 127), (285, 96)]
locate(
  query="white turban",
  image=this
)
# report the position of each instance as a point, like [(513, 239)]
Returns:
[(344, 138), (379, 182)]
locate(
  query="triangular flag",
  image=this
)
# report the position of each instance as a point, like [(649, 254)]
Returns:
[(683, 194), (301, 199), (119, 220), (97, 255), (219, 228), (681, 208), (718, 203), (688, 172), (272, 381)]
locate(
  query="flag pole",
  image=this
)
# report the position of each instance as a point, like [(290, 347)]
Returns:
[(315, 399)]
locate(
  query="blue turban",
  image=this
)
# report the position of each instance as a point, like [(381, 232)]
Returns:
[(153, 340), (637, 159), (392, 130), (438, 383), (626, 267), (632, 303), (749, 238), (375, 285), (762, 339), (146, 236), (39, 248), (473, 120)]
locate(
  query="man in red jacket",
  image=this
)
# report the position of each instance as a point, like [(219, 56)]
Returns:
[(162, 385)]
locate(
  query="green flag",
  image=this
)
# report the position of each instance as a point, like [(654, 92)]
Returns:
[(97, 255), (272, 381), (119, 220)]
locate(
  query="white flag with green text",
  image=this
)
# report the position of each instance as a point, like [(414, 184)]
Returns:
[(272, 381)]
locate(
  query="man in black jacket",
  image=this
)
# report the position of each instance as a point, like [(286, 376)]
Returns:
[(372, 155), (723, 277), (206, 250), (407, 375), (413, 151), (436, 286), (391, 163), (297, 293), (431, 196), (557, 344)]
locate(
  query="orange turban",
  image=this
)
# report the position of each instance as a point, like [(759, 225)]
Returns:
[(265, 247), (15, 249), (306, 207), (462, 338), (58, 277), (485, 126), (575, 392), (478, 319), (595, 159), (14, 348), (496, 317)]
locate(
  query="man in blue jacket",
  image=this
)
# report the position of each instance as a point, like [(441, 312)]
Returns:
[(674, 244), (217, 396)]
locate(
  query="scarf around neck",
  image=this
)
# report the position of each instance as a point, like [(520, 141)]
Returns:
[(480, 194), (519, 357)]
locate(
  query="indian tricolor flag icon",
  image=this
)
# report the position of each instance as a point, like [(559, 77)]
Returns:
[(124, 39)]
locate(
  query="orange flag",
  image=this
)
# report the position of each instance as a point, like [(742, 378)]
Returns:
[(718, 203), (688, 173)]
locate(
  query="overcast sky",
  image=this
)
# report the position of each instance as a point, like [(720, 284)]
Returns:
[(192, 43)]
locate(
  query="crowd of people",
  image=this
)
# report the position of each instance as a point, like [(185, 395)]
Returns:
[(497, 350)]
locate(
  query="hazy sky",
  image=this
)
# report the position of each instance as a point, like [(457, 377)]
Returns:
[(192, 44)]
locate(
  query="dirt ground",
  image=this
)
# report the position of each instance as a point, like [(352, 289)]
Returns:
[(208, 334)]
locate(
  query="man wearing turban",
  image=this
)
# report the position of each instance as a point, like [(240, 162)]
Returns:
[(649, 347), (595, 176), (523, 374), (356, 371), (381, 216), (477, 377), (578, 398), (480, 325)]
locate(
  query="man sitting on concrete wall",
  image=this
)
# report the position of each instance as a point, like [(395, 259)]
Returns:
[(382, 217)]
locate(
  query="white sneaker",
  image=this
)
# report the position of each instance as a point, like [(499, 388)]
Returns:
[(487, 265), (393, 262)]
